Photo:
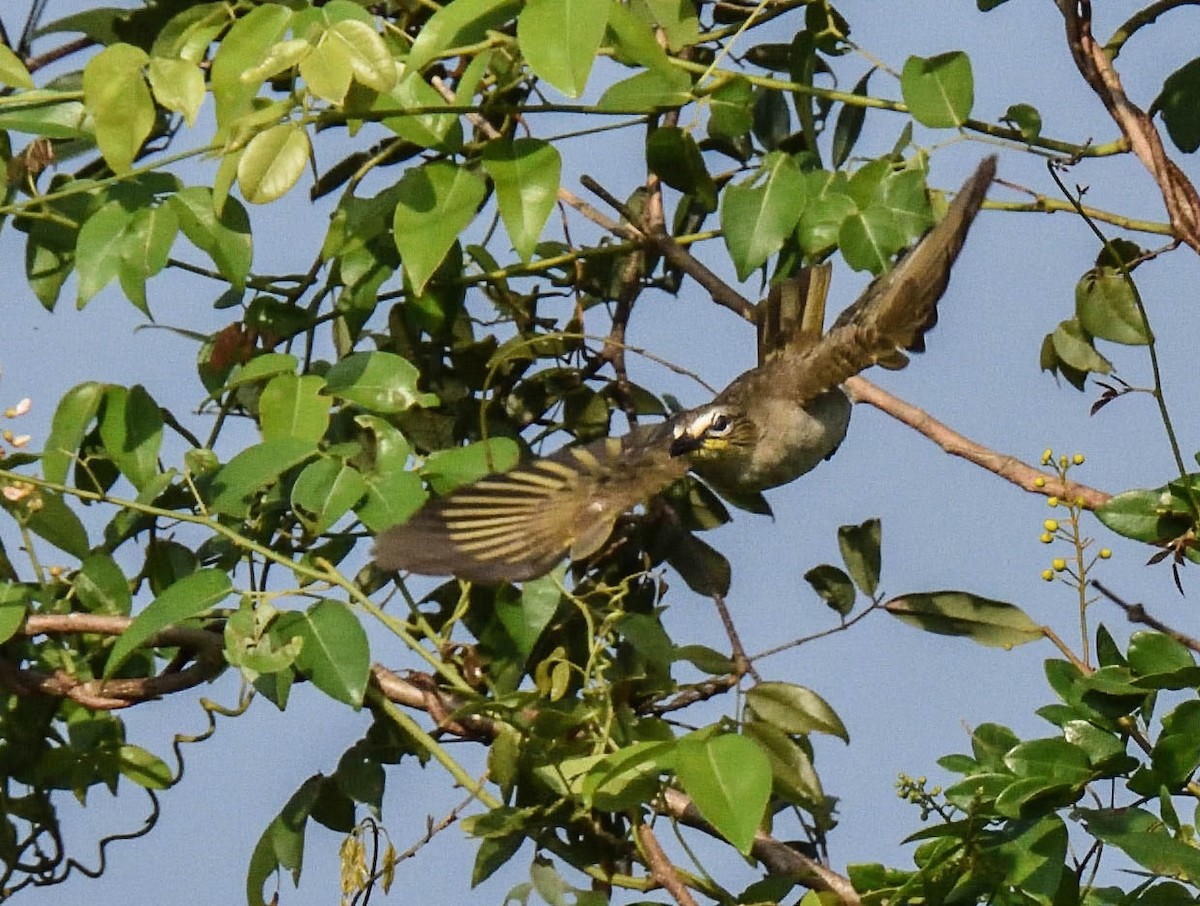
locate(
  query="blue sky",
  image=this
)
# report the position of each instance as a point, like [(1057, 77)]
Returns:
[(906, 697)]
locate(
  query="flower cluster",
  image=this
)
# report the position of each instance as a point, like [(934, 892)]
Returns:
[(1068, 528)]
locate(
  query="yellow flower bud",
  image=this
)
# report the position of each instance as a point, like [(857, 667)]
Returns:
[(1046, 538), (1039, 482), (1050, 525), (1052, 501), (1048, 575), (1047, 455), (1059, 564), (1077, 459), (1105, 553)]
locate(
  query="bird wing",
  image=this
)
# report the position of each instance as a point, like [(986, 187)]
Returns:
[(519, 524), (894, 312), (793, 315)]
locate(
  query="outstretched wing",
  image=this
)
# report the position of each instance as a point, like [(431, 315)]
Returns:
[(792, 317), (518, 525), (895, 311)]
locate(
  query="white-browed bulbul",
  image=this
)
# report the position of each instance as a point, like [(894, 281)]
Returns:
[(769, 426)]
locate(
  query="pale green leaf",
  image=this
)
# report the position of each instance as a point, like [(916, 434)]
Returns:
[(272, 162), (116, 95)]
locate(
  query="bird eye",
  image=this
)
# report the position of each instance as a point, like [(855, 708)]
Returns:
[(719, 425)]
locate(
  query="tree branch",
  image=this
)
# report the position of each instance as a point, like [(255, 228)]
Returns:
[(1007, 467), (1096, 67)]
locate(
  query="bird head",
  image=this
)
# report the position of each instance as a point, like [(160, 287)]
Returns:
[(712, 432)]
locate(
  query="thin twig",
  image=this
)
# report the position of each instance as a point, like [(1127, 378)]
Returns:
[(1137, 614)]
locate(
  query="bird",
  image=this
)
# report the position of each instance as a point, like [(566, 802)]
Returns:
[(769, 426)]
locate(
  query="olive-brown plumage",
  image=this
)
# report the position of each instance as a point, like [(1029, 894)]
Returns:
[(769, 426)]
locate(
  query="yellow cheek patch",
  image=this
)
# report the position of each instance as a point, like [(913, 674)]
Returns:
[(712, 446)]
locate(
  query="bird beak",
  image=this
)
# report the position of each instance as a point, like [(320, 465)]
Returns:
[(685, 443)]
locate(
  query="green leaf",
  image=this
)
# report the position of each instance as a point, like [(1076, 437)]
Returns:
[(57, 524), (1105, 307), (99, 249), (71, 421), (861, 552), (12, 70), (131, 428), (729, 779), (1179, 104), (1053, 760), (441, 131), (272, 162), (849, 123), (255, 469), (377, 381), (363, 52), (145, 769), (906, 199), (392, 496), (1152, 653), (647, 92), (731, 109), (1142, 836), (1176, 752), (436, 202), (833, 586), (673, 155), (225, 238), (335, 655), (446, 470), (526, 173), (245, 46), (990, 743), (1143, 515), (493, 854), (145, 247), (324, 492), (792, 773), (1025, 119), (14, 604), (525, 618), (628, 777), (634, 38), (188, 597), (939, 91), (960, 613), (868, 239), (178, 85), (704, 569), (677, 19), (759, 214), (458, 23), (189, 34), (292, 405), (827, 207), (795, 709), (559, 40), (48, 115), (262, 367), (1034, 858), (116, 95)]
